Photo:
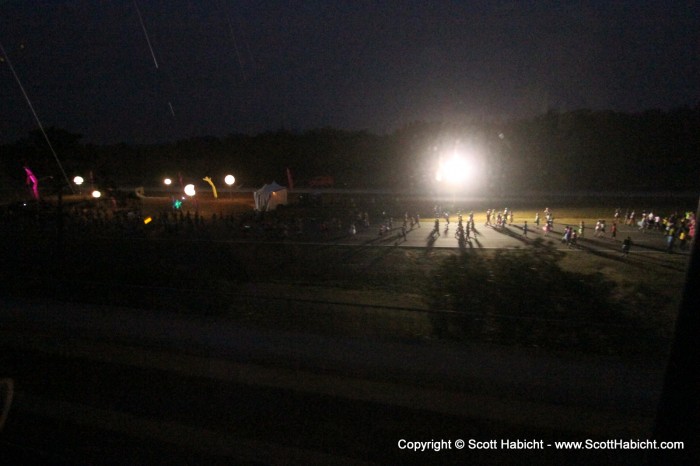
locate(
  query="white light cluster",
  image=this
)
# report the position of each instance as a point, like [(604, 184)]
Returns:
[(454, 170)]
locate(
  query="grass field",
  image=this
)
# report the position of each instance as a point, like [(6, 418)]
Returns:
[(625, 308)]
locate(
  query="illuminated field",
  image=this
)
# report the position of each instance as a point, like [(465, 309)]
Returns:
[(528, 293)]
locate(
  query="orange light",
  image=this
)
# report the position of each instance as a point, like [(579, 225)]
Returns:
[(147, 220)]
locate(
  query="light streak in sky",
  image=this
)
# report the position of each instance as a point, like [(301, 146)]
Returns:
[(153, 54), (235, 45), (36, 117), (145, 33)]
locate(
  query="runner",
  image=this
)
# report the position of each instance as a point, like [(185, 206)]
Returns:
[(626, 246)]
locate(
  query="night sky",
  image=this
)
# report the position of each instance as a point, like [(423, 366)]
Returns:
[(252, 66)]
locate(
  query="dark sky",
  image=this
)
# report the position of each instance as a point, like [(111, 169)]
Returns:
[(249, 66)]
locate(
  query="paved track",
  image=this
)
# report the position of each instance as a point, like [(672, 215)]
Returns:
[(511, 236)]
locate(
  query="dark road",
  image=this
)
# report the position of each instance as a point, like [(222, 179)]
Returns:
[(115, 386)]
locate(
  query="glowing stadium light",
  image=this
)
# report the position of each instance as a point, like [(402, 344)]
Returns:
[(189, 190), (96, 194), (78, 180), (454, 170), (167, 181)]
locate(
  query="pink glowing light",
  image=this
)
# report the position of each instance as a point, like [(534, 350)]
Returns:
[(32, 182)]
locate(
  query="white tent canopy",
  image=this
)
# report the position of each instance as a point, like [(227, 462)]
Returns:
[(270, 196)]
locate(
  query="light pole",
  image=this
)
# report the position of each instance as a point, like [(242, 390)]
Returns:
[(190, 191), (167, 182), (229, 180), (454, 172), (79, 180)]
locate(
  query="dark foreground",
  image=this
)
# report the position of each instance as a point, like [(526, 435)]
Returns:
[(98, 385), (190, 381)]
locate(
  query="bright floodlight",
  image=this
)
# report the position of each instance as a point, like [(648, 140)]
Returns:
[(229, 180), (454, 170), (168, 181), (78, 180), (96, 194), (189, 190)]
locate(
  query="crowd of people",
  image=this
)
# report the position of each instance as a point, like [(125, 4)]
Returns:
[(678, 229), (105, 218)]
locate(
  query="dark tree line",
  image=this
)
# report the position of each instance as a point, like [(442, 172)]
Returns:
[(572, 151)]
